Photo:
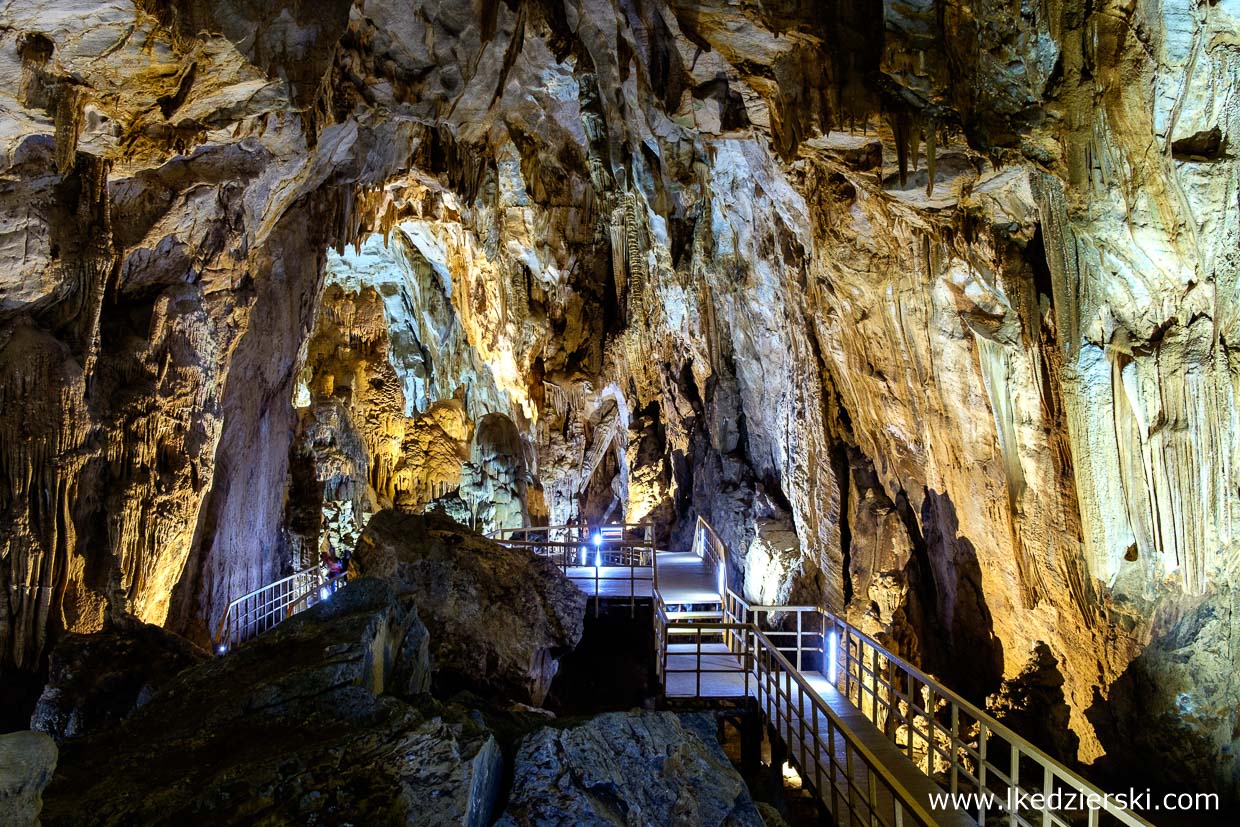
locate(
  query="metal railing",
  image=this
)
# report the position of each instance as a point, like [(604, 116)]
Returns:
[(951, 741), (619, 554), (262, 609), (708, 545), (955, 742), (946, 737), (850, 780)]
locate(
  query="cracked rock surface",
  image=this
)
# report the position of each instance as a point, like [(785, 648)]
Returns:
[(503, 617), (623, 768), (318, 722)]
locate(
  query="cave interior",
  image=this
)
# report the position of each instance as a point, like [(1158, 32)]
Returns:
[(924, 316)]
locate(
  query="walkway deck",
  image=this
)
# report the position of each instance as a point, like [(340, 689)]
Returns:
[(684, 578), (714, 672), (860, 765)]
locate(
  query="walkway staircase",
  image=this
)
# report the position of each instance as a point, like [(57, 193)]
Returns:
[(877, 740)]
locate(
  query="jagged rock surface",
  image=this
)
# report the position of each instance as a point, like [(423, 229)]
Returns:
[(952, 287), (27, 761), (294, 727), (500, 617), (95, 681), (625, 768)]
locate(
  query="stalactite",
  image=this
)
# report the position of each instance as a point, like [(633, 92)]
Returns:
[(633, 246), (900, 128), (70, 103), (710, 329), (619, 252), (557, 399)]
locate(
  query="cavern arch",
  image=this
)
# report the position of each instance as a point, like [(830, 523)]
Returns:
[(929, 309)]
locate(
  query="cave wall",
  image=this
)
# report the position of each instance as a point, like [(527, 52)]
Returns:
[(931, 308)]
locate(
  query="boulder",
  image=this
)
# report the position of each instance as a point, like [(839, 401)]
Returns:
[(96, 680), (627, 768), (500, 618), (300, 726), (27, 761)]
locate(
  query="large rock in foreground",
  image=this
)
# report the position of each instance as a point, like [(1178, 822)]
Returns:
[(499, 618), (627, 768), (27, 760), (301, 726), (97, 680)]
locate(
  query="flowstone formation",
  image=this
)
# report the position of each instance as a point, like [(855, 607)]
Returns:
[(931, 309)]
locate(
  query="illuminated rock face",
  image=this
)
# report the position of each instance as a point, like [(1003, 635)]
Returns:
[(949, 292)]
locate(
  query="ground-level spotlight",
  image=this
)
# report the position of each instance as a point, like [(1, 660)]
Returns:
[(791, 777), (222, 648), (324, 593)]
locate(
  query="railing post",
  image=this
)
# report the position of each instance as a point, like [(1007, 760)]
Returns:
[(955, 741), (632, 587), (982, 742), (1048, 786), (1013, 782), (798, 640), (698, 669), (745, 660)]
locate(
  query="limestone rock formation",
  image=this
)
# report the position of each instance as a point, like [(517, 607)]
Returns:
[(950, 288), (1033, 704), (27, 761), (773, 564), (623, 768), (96, 680), (500, 618), (302, 725)]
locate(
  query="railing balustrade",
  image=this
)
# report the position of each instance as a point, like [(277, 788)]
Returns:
[(949, 739), (260, 610), (620, 554), (952, 740), (851, 781), (708, 545)]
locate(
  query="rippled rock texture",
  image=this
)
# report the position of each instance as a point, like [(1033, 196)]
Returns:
[(949, 290), (27, 761)]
